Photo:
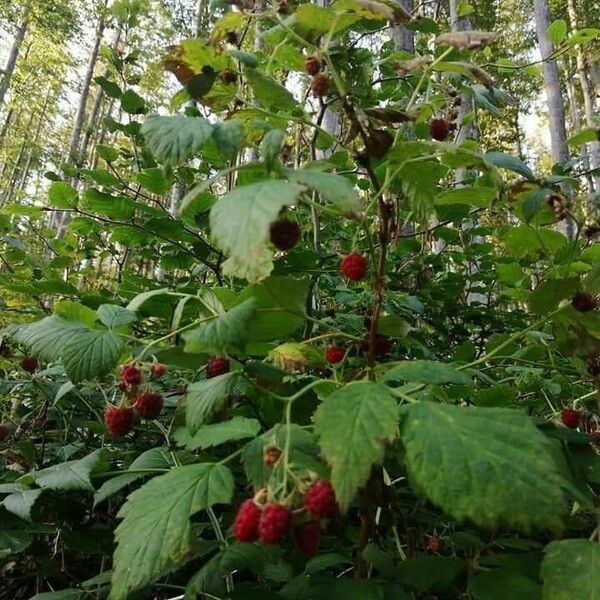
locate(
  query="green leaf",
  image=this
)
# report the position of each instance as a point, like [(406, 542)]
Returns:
[(246, 58), (62, 195), (489, 465), (113, 207), (426, 371), (107, 153), (113, 315), (223, 334), (208, 436), (585, 136), (229, 136), (91, 354), (69, 476), (479, 197), (269, 93), (584, 36), (503, 584), (240, 224), (133, 103), (153, 459), (571, 569), (332, 187), (270, 146), (137, 302), (353, 424), (425, 572), (67, 594), (547, 295), (155, 535), (21, 503), (557, 31), (110, 88), (173, 140), (207, 397), (504, 161), (154, 180)]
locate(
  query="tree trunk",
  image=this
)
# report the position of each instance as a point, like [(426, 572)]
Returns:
[(588, 99), (13, 55), (556, 111), (403, 38)]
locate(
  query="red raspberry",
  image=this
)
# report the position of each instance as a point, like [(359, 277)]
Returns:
[(29, 364), (285, 234), (439, 129), (584, 302), (274, 523), (354, 266), (118, 420), (382, 346), (320, 84), (435, 545), (570, 417), (378, 143), (319, 500), (3, 432), (148, 404), (334, 355), (216, 366), (307, 537), (157, 370), (312, 65), (130, 375), (245, 527)]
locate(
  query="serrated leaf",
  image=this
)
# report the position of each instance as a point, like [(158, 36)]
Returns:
[(491, 466), (208, 436), (113, 315), (62, 195), (571, 569), (21, 503), (173, 140), (71, 475), (426, 371), (240, 224), (133, 103), (505, 161), (155, 535), (557, 31), (91, 354), (113, 207), (154, 180), (269, 93), (229, 136), (153, 459), (548, 294), (207, 397), (332, 187), (270, 146), (353, 424), (223, 334)]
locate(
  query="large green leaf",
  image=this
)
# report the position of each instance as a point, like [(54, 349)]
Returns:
[(491, 466), (71, 475), (62, 195), (426, 371), (113, 315), (353, 425), (207, 397), (225, 333), (173, 140), (208, 436), (505, 161), (21, 503), (240, 224), (269, 93), (473, 196), (571, 570), (155, 535), (107, 205)]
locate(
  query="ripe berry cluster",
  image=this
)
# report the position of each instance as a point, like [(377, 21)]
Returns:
[(136, 402), (271, 522)]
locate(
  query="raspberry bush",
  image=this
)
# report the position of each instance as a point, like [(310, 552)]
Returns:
[(366, 361)]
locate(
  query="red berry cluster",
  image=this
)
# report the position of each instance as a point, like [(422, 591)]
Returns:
[(320, 85), (217, 365), (354, 266), (439, 129), (271, 522), (145, 403)]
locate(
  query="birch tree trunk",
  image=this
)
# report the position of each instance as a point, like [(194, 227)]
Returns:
[(13, 55), (556, 111), (588, 99)]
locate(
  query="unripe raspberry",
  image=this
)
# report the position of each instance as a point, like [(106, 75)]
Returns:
[(320, 501), (157, 370), (307, 537), (570, 417), (275, 522), (584, 302), (439, 129), (217, 365), (312, 65), (285, 234), (320, 85), (435, 545), (3, 432), (130, 375), (118, 420), (334, 355), (29, 364), (354, 266), (270, 456), (245, 527), (148, 404)]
